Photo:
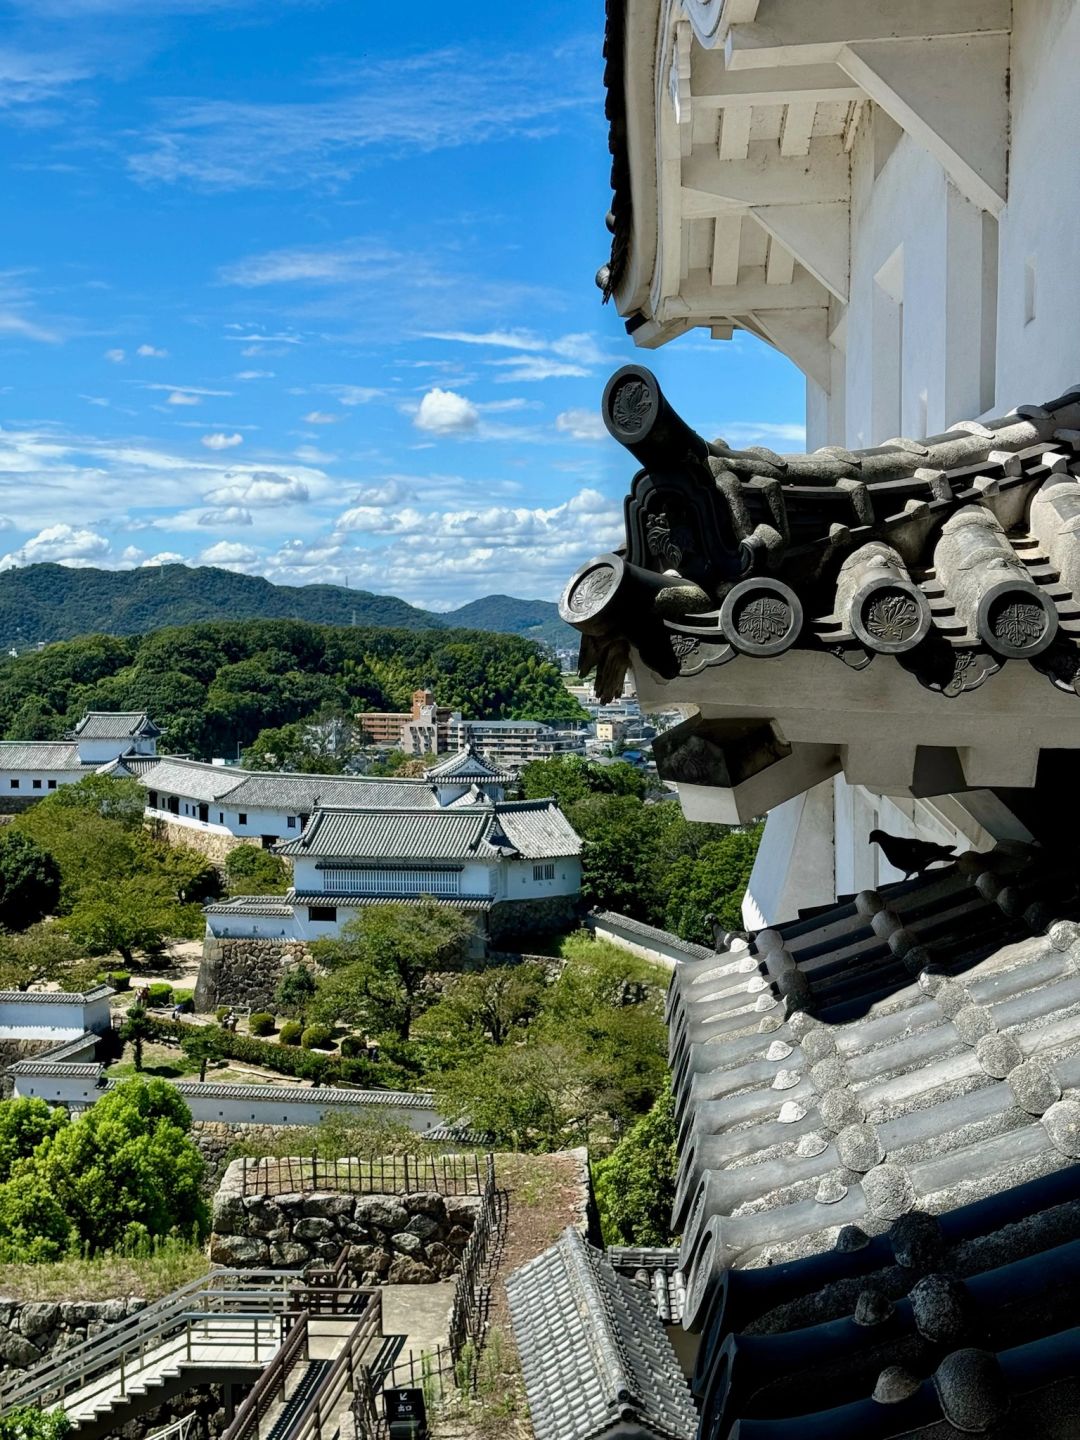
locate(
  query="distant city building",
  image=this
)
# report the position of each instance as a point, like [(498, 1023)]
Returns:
[(419, 731), (513, 743)]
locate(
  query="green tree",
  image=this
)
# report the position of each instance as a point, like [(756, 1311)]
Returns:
[(201, 1044), (570, 778), (127, 1166), (129, 913), (477, 1009), (24, 1124), (296, 990), (135, 1030), (635, 1184), (30, 1422), (379, 961), (29, 881), (525, 1097), (108, 796), (250, 870), (33, 1226), (712, 882), (44, 952)]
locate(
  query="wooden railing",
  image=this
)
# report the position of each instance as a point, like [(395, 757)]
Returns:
[(321, 1419), (382, 1175), (271, 1384), (469, 1312)]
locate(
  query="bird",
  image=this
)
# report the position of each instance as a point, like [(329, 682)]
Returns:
[(911, 856)]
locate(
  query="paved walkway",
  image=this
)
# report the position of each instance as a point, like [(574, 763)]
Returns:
[(419, 1312)]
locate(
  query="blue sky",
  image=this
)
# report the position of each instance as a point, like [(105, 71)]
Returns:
[(305, 288)]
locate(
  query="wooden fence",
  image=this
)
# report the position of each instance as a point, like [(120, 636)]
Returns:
[(382, 1175)]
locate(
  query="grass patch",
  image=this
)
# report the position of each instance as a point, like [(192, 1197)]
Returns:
[(107, 1276)]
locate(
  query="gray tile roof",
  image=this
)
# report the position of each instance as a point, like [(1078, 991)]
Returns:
[(656, 1269), (269, 790), (534, 828), (40, 755), (194, 779), (114, 725), (471, 904), (856, 1092), (467, 764), (306, 1094), (650, 933), (593, 1352), (276, 905), (55, 997)]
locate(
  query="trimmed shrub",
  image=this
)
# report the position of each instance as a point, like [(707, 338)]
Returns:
[(291, 1032), (354, 1047), (180, 996), (160, 993), (316, 1037), (261, 1023), (221, 1012), (119, 979)]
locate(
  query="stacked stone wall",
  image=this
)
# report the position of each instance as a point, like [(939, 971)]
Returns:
[(215, 1138), (32, 1329), (412, 1239), (244, 972), (512, 918), (211, 843)]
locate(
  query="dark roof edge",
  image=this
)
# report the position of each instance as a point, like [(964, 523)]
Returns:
[(620, 217)]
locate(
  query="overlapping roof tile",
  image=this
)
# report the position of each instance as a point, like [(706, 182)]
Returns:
[(595, 1358)]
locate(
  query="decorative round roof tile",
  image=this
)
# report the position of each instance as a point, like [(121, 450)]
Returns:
[(889, 1192), (972, 1389)]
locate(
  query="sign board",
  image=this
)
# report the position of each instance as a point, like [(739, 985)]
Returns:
[(406, 1414)]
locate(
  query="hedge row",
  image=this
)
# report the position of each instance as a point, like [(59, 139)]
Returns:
[(285, 1059)]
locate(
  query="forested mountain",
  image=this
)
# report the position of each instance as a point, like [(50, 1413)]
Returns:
[(57, 602), (213, 686)]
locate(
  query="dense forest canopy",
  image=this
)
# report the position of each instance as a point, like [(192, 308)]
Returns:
[(213, 687), (58, 602)]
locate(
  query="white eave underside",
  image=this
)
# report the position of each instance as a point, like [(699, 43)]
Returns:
[(750, 108)]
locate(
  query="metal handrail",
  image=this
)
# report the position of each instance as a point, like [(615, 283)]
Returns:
[(276, 1374), (340, 1377), (89, 1358)]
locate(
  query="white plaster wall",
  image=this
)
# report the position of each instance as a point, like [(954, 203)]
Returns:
[(98, 752), (1039, 359), (58, 1089), (261, 927), (26, 780), (515, 879), (25, 1019), (795, 864)]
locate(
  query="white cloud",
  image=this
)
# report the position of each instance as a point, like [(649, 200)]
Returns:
[(220, 441), (164, 557), (764, 432), (151, 352), (132, 555), (413, 104), (229, 554), (62, 543), (320, 417), (581, 425), (225, 515), (184, 397), (254, 375), (311, 455), (444, 412), (186, 390), (528, 368), (117, 356), (261, 487), (355, 394)]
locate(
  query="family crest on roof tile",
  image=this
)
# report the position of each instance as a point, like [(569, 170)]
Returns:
[(940, 560)]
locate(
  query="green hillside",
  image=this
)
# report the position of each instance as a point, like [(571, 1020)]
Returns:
[(213, 686), (56, 602)]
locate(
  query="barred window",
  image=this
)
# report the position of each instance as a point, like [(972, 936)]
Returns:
[(543, 872), (393, 882)]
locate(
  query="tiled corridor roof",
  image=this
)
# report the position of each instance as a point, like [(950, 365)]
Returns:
[(879, 1124), (594, 1354)]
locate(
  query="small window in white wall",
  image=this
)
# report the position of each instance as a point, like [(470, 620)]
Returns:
[(37, 784), (543, 872), (241, 819), (52, 784), (290, 821), (14, 784)]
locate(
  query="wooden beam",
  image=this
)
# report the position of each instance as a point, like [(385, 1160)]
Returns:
[(735, 134), (698, 296), (780, 265), (798, 127), (765, 177), (793, 32), (818, 237), (715, 87), (803, 336), (727, 237), (951, 96)]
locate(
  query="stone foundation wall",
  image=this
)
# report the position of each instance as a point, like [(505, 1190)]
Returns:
[(211, 843), (411, 1239), (215, 1138), (32, 1329), (244, 972), (512, 918)]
